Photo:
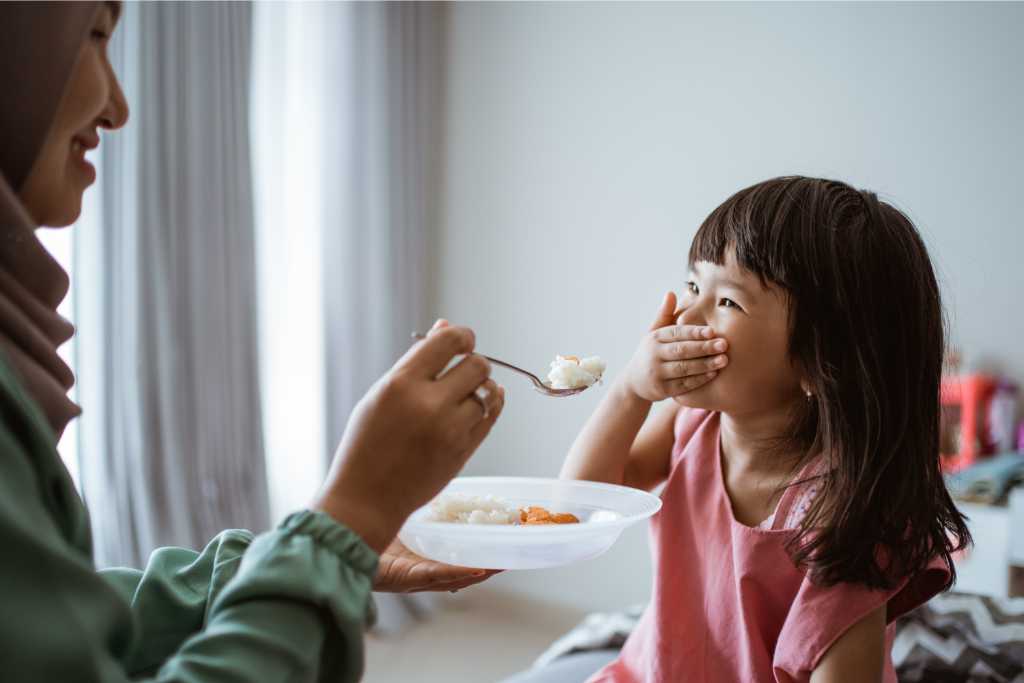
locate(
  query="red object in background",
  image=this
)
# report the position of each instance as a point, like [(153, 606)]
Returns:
[(965, 400)]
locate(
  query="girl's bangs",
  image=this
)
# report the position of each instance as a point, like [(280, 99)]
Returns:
[(739, 226)]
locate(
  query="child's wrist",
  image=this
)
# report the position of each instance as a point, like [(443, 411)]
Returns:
[(626, 395)]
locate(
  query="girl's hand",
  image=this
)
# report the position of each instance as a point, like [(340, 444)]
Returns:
[(403, 571), (674, 359), (410, 434)]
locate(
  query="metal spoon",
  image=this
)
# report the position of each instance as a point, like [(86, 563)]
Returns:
[(542, 387)]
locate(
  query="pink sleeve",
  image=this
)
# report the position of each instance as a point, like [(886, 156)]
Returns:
[(820, 615), (688, 421)]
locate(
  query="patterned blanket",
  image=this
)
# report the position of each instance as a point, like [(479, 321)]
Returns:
[(955, 638), (960, 637)]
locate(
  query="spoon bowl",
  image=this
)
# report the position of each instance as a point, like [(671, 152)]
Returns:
[(539, 385)]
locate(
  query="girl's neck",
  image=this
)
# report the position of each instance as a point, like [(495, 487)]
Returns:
[(750, 443)]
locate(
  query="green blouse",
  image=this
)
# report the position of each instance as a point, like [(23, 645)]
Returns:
[(289, 605)]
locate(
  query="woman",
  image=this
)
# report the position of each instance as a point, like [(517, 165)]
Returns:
[(289, 605)]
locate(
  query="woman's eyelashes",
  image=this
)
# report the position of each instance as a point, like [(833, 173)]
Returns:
[(102, 29)]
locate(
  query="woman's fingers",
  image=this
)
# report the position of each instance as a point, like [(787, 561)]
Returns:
[(453, 586), (456, 586), (681, 386), (428, 358), (483, 402), (440, 576), (467, 375), (482, 428)]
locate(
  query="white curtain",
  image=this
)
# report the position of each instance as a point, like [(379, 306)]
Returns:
[(346, 129), (376, 252), (167, 361)]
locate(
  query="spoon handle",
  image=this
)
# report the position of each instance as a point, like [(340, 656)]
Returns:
[(527, 373), (533, 377)]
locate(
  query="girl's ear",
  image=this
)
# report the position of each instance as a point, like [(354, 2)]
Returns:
[(805, 387)]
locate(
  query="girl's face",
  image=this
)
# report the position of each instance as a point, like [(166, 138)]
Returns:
[(92, 99), (754, 319)]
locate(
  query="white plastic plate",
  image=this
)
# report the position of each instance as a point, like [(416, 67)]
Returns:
[(604, 511)]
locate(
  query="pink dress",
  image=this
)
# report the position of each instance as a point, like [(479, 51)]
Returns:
[(728, 604)]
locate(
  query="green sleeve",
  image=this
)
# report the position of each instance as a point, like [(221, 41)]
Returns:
[(289, 605), (185, 604), (170, 598), (294, 611)]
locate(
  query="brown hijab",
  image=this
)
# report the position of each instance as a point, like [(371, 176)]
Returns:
[(39, 43)]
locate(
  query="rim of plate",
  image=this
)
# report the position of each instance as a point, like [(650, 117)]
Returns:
[(654, 505)]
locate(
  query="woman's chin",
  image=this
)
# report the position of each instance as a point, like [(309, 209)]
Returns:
[(64, 214)]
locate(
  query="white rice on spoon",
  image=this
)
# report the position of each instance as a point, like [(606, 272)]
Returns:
[(569, 372)]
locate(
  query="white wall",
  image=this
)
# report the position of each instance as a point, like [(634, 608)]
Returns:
[(586, 142)]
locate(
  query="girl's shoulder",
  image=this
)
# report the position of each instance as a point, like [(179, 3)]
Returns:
[(688, 425), (820, 615)]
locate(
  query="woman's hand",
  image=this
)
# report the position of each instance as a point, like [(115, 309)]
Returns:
[(403, 571), (410, 434), (674, 359)]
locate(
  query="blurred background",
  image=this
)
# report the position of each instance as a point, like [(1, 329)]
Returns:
[(303, 184)]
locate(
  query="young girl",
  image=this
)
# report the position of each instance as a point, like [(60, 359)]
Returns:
[(804, 506)]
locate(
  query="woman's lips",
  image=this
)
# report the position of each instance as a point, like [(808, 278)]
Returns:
[(87, 141), (79, 147)]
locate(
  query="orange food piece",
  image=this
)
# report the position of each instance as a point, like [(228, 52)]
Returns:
[(538, 515), (574, 359), (564, 518)]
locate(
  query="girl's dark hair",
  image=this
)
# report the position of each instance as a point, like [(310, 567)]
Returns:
[(867, 331)]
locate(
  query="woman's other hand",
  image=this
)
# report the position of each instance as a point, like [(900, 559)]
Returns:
[(411, 433), (403, 571)]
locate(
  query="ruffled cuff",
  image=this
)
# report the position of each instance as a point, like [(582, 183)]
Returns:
[(311, 559), (334, 536), (343, 542)]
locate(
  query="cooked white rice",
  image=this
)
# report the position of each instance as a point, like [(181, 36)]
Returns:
[(569, 373), (461, 508)]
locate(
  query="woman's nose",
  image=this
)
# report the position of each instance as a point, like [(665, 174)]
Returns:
[(116, 113)]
